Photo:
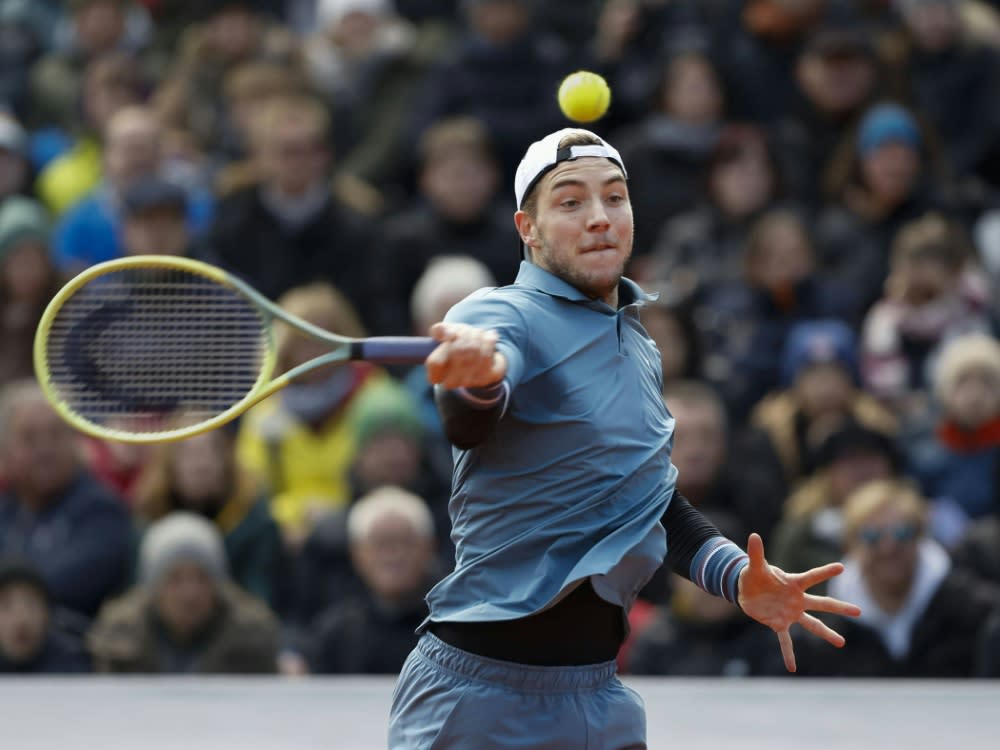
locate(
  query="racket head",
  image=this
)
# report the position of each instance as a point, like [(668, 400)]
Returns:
[(150, 349)]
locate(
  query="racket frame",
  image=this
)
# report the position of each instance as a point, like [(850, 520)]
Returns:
[(344, 348)]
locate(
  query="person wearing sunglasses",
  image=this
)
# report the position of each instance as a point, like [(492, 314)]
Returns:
[(920, 615)]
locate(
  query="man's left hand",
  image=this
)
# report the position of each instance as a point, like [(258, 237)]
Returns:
[(779, 599)]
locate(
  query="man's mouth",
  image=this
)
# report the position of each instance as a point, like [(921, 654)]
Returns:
[(600, 246)]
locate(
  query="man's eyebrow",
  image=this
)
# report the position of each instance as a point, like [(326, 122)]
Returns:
[(573, 182)]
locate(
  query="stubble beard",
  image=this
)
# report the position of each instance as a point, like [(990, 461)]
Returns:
[(585, 281)]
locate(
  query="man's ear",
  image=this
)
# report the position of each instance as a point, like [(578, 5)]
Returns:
[(526, 228)]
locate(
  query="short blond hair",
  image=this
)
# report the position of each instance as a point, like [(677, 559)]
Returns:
[(973, 350), (877, 495), (389, 501)]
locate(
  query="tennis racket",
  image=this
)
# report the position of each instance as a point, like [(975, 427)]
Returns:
[(150, 349)]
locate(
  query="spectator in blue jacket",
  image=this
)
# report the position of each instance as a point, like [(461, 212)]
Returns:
[(52, 512)]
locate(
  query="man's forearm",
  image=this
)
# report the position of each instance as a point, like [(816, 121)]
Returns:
[(699, 552), (470, 415)]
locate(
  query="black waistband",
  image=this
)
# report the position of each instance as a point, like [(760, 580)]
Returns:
[(581, 629)]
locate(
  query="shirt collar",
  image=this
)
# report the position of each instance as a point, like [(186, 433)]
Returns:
[(534, 277)]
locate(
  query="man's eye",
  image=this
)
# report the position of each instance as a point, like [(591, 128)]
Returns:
[(616, 198), (570, 203)]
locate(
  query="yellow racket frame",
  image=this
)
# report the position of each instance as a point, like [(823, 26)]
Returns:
[(265, 385)]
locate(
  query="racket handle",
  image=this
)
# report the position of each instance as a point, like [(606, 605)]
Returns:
[(393, 350)]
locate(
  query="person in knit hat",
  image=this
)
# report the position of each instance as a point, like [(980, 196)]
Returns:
[(956, 458), (27, 282), (185, 615)]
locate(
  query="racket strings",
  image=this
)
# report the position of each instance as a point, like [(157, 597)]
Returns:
[(135, 347)]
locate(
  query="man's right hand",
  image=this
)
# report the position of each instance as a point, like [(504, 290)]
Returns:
[(465, 358)]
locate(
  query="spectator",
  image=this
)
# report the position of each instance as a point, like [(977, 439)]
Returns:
[(30, 640), (110, 82), (953, 81), (445, 282), (670, 322), (392, 541), (746, 323), (25, 27), (717, 470), (758, 59), (15, 168), (91, 231), (920, 617), (52, 512), (668, 149), (812, 530), (200, 475), (27, 283), (503, 72), (931, 296), (303, 441), (705, 245), (288, 229), (154, 219), (185, 616), (838, 74), (371, 63), (820, 380), (223, 35), (699, 635), (957, 459), (458, 214), (883, 177), (96, 28)]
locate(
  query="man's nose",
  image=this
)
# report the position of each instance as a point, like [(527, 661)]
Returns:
[(597, 219)]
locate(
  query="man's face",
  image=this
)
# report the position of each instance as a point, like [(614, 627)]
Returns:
[(160, 231), (935, 24), (460, 186), (836, 84), (699, 442), (185, 598), (582, 231), (294, 157), (132, 149), (24, 618), (393, 559), (99, 26), (40, 454), (886, 549)]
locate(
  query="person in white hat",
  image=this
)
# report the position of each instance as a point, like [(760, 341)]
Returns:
[(549, 390)]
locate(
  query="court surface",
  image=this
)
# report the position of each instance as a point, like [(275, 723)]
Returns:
[(350, 714)]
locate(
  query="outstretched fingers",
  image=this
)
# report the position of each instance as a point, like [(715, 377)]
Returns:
[(831, 605), (787, 650), (819, 628), (817, 575)]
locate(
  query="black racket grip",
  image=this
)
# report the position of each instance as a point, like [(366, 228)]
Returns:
[(393, 350)]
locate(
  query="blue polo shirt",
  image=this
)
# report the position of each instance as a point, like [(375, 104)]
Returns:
[(576, 476)]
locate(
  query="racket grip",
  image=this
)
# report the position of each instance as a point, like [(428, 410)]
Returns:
[(393, 350)]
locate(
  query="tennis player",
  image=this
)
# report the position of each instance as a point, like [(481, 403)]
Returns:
[(564, 501)]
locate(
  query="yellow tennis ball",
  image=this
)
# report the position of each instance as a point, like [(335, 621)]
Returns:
[(584, 96)]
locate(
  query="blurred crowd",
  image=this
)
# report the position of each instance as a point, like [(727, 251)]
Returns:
[(816, 187)]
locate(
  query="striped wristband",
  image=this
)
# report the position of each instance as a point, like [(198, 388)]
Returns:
[(716, 567)]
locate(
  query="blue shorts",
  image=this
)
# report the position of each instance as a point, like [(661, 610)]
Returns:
[(449, 699)]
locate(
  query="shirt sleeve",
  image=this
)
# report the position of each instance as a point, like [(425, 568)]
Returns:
[(495, 311)]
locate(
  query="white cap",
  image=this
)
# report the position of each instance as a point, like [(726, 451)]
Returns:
[(545, 154)]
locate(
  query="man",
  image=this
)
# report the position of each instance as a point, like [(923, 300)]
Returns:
[(922, 617), (53, 513), (289, 229), (394, 551), (550, 389)]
